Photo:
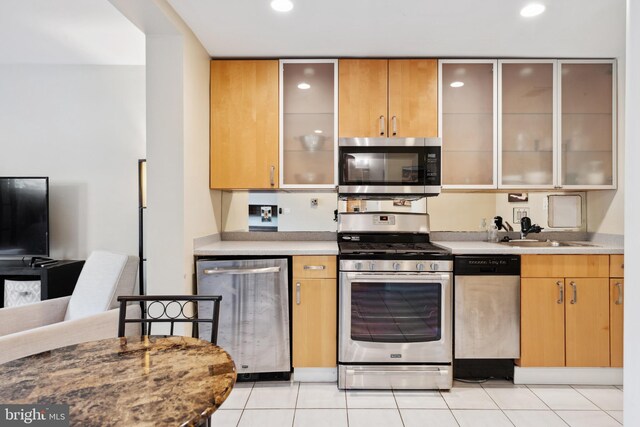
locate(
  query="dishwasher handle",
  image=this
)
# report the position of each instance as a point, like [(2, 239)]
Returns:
[(236, 271)]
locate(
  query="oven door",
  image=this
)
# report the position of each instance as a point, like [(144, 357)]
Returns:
[(395, 318)]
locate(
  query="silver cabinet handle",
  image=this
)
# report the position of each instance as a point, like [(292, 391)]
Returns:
[(272, 176), (298, 293), (574, 299), (382, 131), (619, 299), (394, 125), (561, 290), (314, 267), (242, 270)]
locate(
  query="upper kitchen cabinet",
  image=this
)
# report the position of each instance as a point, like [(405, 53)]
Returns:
[(244, 124), (395, 98), (587, 124), (308, 123), (527, 124), (468, 123)]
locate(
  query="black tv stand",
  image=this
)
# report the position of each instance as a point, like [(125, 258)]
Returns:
[(35, 260), (56, 280)]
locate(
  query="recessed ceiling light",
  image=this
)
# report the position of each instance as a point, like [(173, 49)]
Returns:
[(317, 131), (532, 9), (281, 5), (457, 84), (304, 85)]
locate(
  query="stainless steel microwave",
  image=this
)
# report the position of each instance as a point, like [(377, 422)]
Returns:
[(390, 166)]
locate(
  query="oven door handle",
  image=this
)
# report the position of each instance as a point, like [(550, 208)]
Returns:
[(421, 277)]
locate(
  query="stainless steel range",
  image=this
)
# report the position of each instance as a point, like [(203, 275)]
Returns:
[(395, 305)]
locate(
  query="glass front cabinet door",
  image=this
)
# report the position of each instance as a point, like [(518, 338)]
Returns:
[(587, 124), (308, 123), (468, 124), (527, 124)]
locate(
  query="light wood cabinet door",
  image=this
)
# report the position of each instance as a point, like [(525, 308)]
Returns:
[(616, 320), (616, 266), (413, 98), (587, 322), (314, 323), (565, 266), (362, 98), (542, 329), (244, 124)]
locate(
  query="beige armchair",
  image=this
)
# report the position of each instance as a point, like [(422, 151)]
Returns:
[(90, 313)]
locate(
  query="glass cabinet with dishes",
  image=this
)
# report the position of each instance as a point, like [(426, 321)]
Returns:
[(587, 123), (551, 125), (527, 124), (308, 123), (468, 105)]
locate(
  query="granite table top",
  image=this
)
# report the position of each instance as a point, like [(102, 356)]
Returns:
[(130, 381)]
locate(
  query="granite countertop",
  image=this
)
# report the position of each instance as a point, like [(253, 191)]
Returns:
[(267, 247), (141, 381), (481, 248)]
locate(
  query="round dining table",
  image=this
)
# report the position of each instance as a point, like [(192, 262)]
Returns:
[(128, 381)]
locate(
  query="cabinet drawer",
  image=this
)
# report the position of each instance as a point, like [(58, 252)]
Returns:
[(565, 266), (616, 266), (314, 267)]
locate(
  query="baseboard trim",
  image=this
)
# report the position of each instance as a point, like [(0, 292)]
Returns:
[(315, 375), (577, 376)]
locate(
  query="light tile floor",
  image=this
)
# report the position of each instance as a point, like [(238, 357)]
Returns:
[(491, 404)]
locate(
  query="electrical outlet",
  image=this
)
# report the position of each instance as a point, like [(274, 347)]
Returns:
[(519, 213), (314, 202)]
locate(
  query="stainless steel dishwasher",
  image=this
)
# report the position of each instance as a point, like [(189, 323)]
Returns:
[(487, 307), (254, 312)]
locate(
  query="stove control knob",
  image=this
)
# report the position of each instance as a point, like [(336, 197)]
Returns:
[(372, 266), (358, 266), (396, 266), (420, 266), (434, 266)]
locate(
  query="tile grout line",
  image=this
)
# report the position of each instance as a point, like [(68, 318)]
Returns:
[(295, 406), (448, 407), (393, 393), (538, 397), (594, 403), (498, 406), (551, 409), (346, 406), (245, 404)]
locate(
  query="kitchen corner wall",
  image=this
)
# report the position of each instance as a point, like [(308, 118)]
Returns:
[(181, 206)]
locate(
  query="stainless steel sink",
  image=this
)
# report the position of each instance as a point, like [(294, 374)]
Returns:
[(545, 244)]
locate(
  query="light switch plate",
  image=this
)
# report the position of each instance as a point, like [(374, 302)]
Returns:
[(519, 213)]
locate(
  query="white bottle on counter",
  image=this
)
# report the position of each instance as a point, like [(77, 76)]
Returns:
[(492, 233)]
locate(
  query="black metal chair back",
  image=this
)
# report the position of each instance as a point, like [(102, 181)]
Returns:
[(169, 309)]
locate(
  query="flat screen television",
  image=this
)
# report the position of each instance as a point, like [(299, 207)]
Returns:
[(24, 216)]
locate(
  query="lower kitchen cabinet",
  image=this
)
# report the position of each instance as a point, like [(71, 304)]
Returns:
[(587, 322), (314, 312), (542, 322), (565, 320), (616, 319), (314, 323)]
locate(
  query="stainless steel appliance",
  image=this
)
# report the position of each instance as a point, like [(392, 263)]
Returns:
[(389, 166), (254, 313), (487, 307), (395, 314)]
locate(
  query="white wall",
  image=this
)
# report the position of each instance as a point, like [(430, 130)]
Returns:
[(83, 126), (632, 229)]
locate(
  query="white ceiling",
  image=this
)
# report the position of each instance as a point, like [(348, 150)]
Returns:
[(396, 28), (67, 32)]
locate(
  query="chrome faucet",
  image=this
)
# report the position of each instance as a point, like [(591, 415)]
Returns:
[(526, 227)]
